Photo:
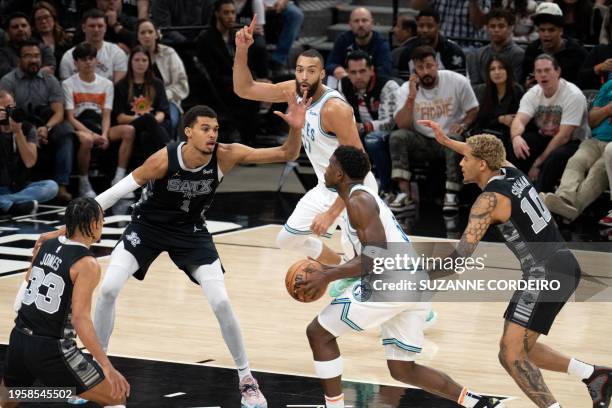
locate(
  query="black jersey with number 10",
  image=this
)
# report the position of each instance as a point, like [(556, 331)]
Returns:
[(531, 232), (180, 199)]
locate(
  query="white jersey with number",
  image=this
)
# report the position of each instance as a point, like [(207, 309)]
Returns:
[(393, 231), (318, 144)]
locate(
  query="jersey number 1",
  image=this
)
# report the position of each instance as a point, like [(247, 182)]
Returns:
[(538, 214), (50, 302)]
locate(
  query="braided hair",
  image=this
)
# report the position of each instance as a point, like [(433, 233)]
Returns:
[(80, 213)]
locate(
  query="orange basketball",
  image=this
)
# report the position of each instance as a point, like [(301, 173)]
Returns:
[(296, 275)]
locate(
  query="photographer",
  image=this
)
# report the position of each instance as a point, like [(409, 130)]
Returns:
[(17, 154), (40, 94)]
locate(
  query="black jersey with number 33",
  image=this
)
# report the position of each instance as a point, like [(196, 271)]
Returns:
[(531, 232), (46, 308), (180, 200)]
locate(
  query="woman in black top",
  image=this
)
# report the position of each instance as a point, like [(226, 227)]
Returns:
[(140, 101), (499, 98)]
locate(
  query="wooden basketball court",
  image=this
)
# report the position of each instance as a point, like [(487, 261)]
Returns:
[(167, 318)]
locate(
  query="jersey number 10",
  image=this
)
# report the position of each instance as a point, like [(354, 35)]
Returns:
[(536, 210)]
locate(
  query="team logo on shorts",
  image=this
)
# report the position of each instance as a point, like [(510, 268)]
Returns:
[(133, 238), (362, 291)]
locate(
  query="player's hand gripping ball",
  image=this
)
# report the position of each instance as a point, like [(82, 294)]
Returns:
[(298, 274)]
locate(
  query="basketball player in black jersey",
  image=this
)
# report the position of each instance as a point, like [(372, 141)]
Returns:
[(510, 202), (55, 307), (180, 182)]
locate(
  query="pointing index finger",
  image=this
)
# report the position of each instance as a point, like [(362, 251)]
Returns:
[(253, 23)]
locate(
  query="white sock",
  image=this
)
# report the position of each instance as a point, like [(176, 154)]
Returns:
[(334, 402), (468, 398), (114, 406), (83, 179), (579, 369), (555, 405), (244, 372), (119, 173)]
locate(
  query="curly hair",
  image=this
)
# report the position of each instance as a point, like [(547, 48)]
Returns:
[(353, 161), (488, 148)]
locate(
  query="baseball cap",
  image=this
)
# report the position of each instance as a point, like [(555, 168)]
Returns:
[(547, 12)]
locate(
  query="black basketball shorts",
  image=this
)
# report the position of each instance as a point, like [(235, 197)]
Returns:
[(187, 249), (537, 309), (53, 362)]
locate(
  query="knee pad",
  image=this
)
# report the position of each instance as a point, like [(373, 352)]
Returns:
[(121, 267)]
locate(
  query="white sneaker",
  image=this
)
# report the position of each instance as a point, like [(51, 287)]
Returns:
[(451, 203), (401, 203), (251, 395), (85, 189)]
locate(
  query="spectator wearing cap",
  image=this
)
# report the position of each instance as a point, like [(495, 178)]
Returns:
[(19, 29), (448, 54), (569, 54), (500, 25)]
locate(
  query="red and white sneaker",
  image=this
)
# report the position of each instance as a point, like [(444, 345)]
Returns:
[(251, 395), (607, 220)]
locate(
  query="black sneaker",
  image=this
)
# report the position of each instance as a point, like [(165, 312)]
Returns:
[(24, 208), (489, 403), (599, 385)]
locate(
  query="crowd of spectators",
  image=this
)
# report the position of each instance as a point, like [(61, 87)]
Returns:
[(83, 78)]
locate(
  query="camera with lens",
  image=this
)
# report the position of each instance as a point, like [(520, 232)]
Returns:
[(17, 114)]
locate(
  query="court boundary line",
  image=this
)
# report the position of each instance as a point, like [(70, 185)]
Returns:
[(229, 367)]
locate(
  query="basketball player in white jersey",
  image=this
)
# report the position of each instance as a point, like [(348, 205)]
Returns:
[(329, 123), (371, 222)]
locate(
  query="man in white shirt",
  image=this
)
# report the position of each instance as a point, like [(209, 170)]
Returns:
[(111, 60), (556, 112), (443, 96), (88, 99)]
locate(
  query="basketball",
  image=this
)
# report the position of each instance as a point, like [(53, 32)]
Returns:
[(296, 274)]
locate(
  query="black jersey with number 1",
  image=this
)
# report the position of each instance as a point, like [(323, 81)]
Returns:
[(180, 199), (46, 309), (531, 233)]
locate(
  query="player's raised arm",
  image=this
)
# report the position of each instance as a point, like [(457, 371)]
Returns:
[(244, 85), (87, 272), (236, 153), (443, 139)]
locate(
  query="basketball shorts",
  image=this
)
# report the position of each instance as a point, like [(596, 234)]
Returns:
[(401, 323), (188, 250), (537, 309), (53, 362), (316, 201)]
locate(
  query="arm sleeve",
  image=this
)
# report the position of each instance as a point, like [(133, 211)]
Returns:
[(601, 98), (108, 198), (383, 58), (401, 97), (336, 56), (120, 103), (161, 100), (120, 60), (48, 58)]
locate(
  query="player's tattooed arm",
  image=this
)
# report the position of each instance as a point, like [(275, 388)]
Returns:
[(481, 217)]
